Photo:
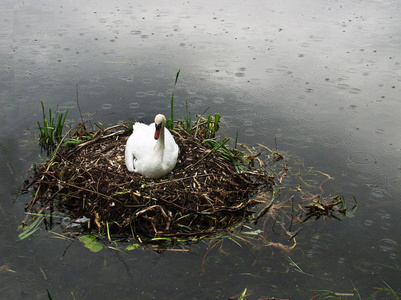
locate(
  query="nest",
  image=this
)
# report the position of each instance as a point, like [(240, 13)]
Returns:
[(204, 194)]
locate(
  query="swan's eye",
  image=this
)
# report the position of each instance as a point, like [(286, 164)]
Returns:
[(158, 126)]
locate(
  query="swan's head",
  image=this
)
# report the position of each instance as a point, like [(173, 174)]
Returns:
[(160, 122)]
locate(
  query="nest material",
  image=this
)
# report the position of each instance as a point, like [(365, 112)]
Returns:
[(203, 194)]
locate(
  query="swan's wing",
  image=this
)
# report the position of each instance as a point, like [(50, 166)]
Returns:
[(139, 145), (129, 154)]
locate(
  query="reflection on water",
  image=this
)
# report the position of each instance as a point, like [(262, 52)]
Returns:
[(318, 80)]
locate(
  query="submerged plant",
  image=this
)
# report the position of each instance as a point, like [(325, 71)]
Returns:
[(51, 131)]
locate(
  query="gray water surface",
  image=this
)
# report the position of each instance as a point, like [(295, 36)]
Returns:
[(321, 78)]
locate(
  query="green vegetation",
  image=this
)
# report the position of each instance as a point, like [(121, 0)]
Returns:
[(51, 131), (170, 121)]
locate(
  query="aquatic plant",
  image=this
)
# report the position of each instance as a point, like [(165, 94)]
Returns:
[(51, 131), (170, 121)]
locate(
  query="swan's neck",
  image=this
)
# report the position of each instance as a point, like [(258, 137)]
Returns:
[(159, 147)]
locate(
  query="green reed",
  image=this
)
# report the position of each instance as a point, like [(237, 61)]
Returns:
[(51, 131)]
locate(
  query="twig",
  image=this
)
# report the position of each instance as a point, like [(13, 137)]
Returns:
[(263, 211), (99, 137)]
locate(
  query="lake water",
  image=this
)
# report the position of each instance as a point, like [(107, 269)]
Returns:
[(322, 79)]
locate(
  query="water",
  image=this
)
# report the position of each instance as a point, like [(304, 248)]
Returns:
[(322, 78)]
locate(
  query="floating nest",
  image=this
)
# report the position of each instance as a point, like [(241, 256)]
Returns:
[(211, 188)]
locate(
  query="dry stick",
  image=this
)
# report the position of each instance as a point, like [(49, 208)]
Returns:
[(178, 179), (202, 158), (281, 208), (281, 177), (252, 154), (161, 234), (99, 138), (295, 234), (83, 123), (292, 216), (94, 192), (197, 122), (263, 211)]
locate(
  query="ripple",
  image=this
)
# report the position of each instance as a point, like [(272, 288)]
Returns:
[(365, 267), (311, 253), (248, 123), (365, 173), (196, 101), (386, 226), (140, 115), (381, 213), (274, 288), (387, 245), (229, 25), (97, 90), (332, 140), (294, 142), (355, 91), (362, 158), (368, 223), (221, 63), (133, 105), (228, 120), (106, 106), (127, 79), (395, 182), (10, 106), (70, 104), (239, 74), (135, 32), (218, 100), (151, 93), (140, 94), (378, 195), (61, 109), (250, 132), (147, 81), (342, 86)]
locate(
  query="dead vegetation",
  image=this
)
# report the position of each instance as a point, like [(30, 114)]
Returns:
[(205, 192)]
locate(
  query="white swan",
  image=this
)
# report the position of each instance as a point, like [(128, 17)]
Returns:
[(151, 149)]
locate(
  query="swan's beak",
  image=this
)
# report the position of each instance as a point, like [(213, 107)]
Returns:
[(157, 132)]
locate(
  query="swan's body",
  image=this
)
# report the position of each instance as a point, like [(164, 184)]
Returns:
[(151, 149)]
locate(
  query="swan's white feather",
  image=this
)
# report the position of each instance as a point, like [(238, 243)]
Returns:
[(143, 157)]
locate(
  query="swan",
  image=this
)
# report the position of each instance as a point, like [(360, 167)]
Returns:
[(151, 149)]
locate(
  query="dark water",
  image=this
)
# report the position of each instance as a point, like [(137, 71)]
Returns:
[(323, 78)]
